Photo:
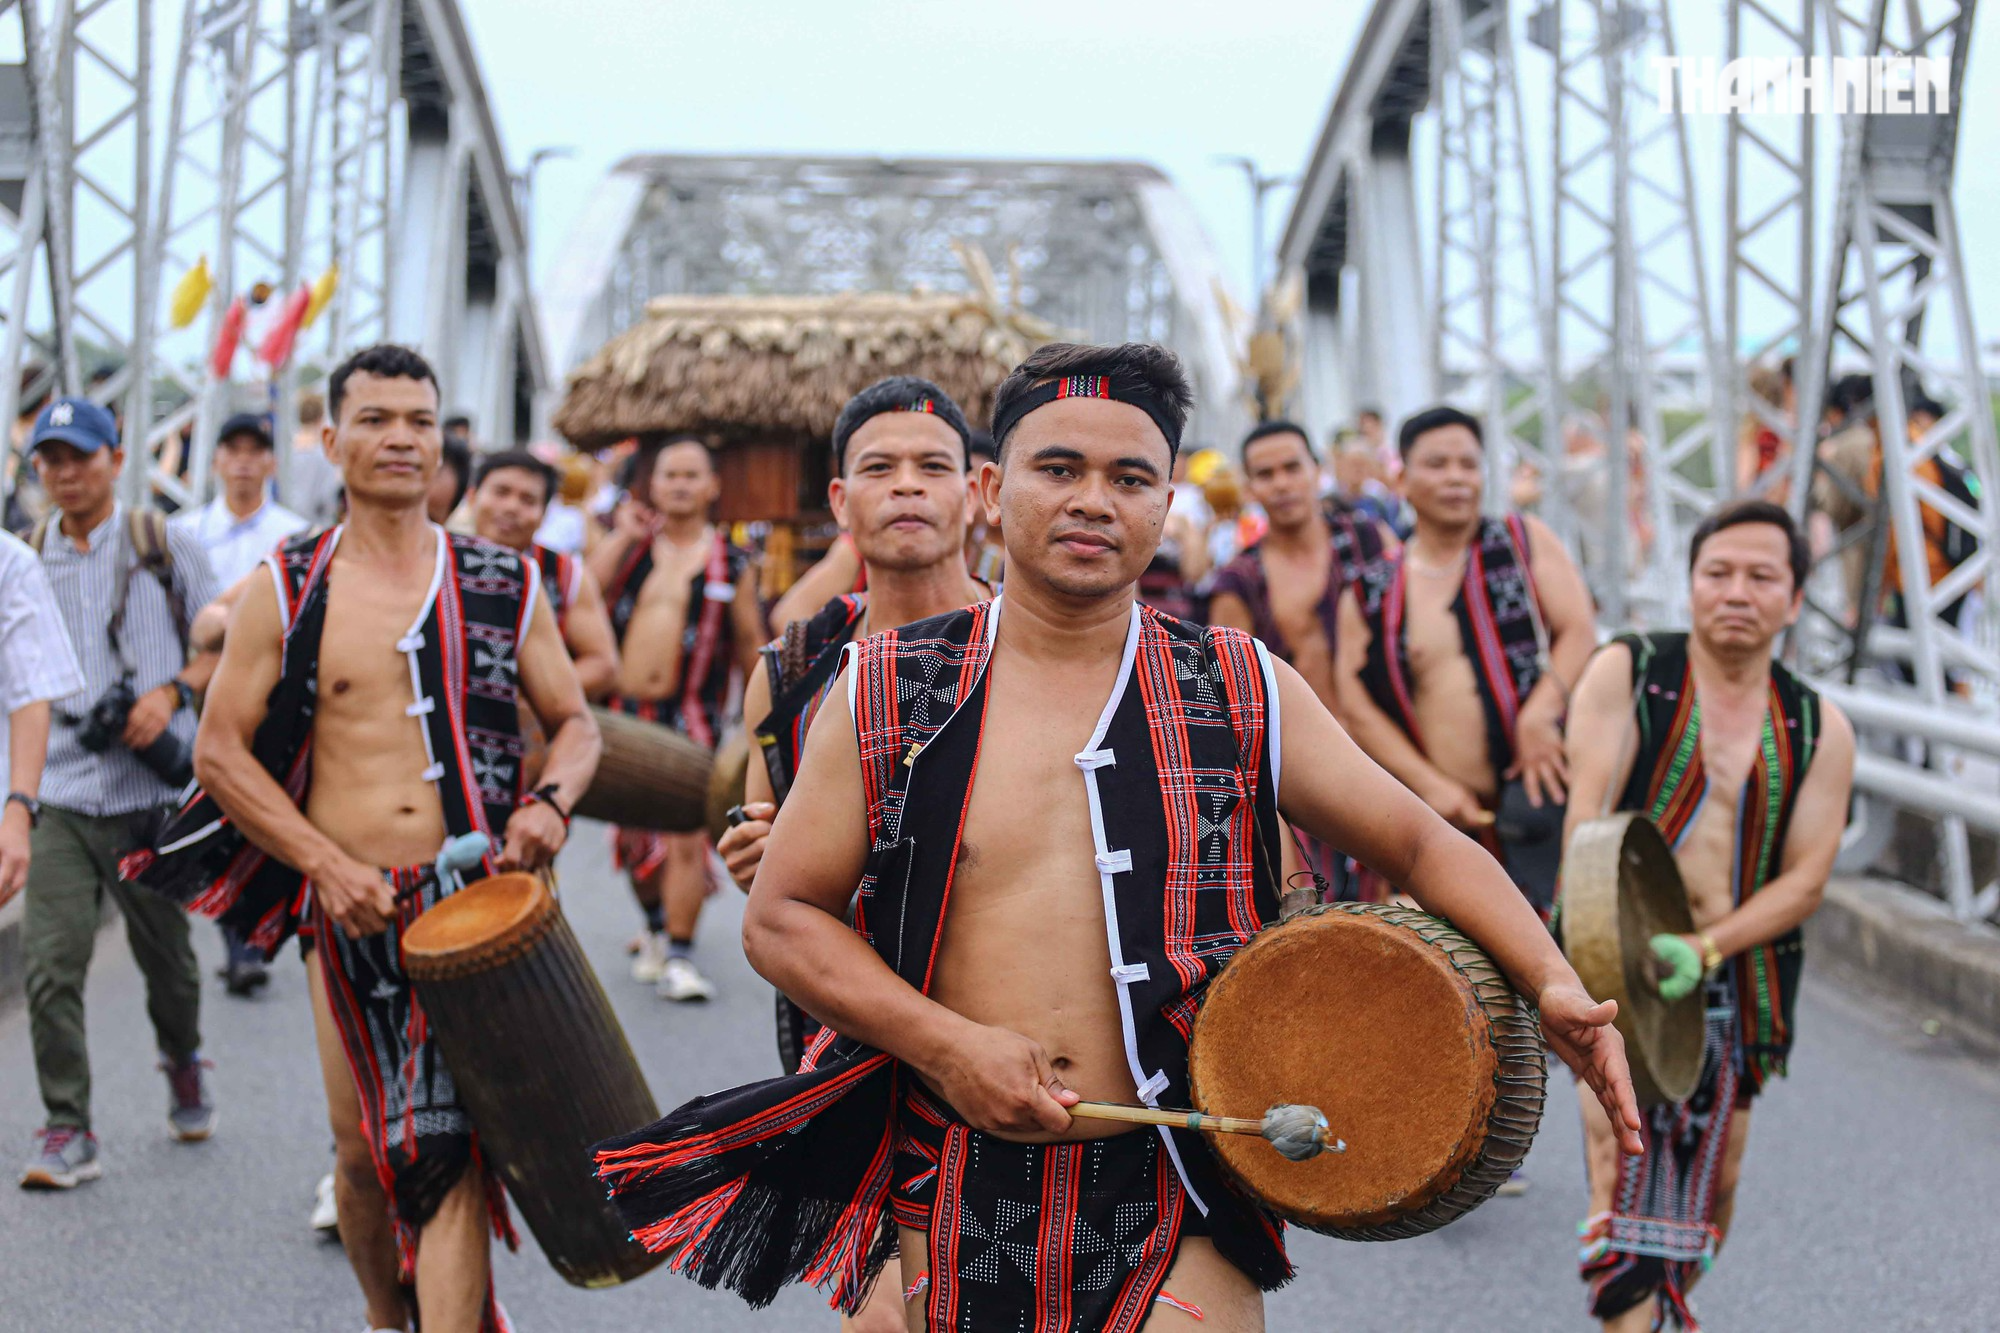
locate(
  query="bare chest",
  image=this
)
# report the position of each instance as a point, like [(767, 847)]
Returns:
[(1028, 800), (1298, 587), (361, 670), (1430, 628), (1708, 854)]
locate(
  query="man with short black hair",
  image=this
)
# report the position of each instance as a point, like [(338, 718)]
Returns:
[(126, 584), (356, 652), (1747, 773), (683, 598), (1038, 761), (243, 523), (901, 450), (1285, 588), (1456, 652), (510, 497)]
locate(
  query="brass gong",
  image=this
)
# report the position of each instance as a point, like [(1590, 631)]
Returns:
[(1621, 888)]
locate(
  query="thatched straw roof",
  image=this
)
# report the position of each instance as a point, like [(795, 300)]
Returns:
[(770, 366)]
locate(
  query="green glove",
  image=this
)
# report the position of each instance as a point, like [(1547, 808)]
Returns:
[(1676, 967)]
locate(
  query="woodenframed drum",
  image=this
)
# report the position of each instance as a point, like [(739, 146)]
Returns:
[(1621, 887), (539, 1060), (1405, 1034), (649, 777), (725, 783)]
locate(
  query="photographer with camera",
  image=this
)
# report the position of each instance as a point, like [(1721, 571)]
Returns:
[(119, 754)]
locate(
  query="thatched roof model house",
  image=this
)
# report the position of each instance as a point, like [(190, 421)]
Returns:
[(763, 377), (750, 366)]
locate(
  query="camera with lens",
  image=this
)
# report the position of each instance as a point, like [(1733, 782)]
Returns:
[(170, 757)]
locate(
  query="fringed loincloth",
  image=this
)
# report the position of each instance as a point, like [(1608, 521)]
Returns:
[(420, 1137), (1661, 1230), (1075, 1237)]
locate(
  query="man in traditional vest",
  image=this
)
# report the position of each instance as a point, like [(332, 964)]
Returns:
[(901, 455), (683, 600), (364, 712), (511, 491), (1457, 652), (1747, 772), (901, 451), (1099, 872), (1286, 588)]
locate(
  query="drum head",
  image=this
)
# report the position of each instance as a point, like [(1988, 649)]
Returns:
[(1404, 1035), (482, 925), (1621, 888)]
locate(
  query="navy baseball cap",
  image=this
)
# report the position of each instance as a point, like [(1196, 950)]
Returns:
[(247, 423), (76, 421)]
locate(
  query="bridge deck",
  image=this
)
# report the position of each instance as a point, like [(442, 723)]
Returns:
[(1865, 1204)]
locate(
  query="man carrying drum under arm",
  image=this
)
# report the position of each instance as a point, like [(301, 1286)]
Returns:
[(1747, 772), (394, 655), (1110, 777), (683, 598)]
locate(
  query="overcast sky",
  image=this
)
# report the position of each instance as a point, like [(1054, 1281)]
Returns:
[(1171, 82)]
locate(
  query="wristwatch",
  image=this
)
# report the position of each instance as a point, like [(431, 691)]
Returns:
[(28, 803), (184, 690)]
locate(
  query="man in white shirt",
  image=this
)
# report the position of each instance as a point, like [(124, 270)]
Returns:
[(37, 667), (239, 527), (242, 524)]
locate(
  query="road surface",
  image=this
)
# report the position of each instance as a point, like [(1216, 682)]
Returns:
[(1868, 1201)]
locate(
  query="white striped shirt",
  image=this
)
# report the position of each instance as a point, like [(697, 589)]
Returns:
[(36, 661), (86, 586)]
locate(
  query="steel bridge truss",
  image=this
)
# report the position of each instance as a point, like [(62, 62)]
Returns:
[(1630, 350), (294, 130)]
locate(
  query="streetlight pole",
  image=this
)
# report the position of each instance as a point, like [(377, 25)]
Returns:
[(526, 182), (1260, 185)]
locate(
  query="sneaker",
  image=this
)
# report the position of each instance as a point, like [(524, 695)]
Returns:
[(243, 976), (63, 1158), (681, 981), (1515, 1186), (650, 960), (325, 1215), (190, 1112)]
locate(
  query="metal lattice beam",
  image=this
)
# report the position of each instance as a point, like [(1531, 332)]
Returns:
[(1897, 301), (1631, 336), (282, 155), (1769, 233), (1488, 326), (1101, 248)]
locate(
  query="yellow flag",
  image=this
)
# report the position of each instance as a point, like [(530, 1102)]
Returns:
[(190, 294), (322, 292)]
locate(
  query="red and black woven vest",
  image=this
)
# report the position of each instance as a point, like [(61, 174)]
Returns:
[(464, 648), (1495, 623), (788, 1180), (801, 665), (699, 701), (1668, 784), (1181, 780)]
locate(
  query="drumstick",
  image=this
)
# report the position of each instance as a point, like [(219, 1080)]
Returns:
[(1299, 1132), (456, 856)]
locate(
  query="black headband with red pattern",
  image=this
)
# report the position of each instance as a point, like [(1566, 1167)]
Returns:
[(1118, 389)]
